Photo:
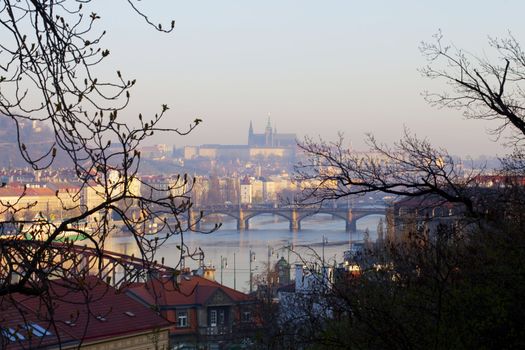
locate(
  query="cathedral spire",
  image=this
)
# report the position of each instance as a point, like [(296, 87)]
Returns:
[(268, 133), (250, 134)]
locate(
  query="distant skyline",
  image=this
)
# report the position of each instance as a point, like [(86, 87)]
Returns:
[(318, 68)]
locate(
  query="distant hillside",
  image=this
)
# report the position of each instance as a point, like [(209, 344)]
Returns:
[(37, 137)]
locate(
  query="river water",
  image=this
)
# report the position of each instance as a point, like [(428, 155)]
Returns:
[(268, 238)]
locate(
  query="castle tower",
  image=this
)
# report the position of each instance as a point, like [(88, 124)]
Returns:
[(268, 133), (250, 134)]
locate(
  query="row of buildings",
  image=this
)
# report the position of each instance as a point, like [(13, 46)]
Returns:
[(56, 198), (191, 313)]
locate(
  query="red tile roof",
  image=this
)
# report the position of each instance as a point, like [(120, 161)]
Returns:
[(429, 201), (13, 315), (99, 314), (192, 290), (10, 191)]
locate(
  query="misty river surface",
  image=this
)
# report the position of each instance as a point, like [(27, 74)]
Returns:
[(268, 237)]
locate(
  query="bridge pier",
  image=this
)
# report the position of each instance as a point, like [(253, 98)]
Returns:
[(194, 221), (295, 223), (351, 223), (242, 224), (351, 226)]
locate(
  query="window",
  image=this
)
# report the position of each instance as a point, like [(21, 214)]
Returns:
[(246, 316), (213, 318), (12, 335), (182, 319), (221, 317), (7, 334), (37, 330)]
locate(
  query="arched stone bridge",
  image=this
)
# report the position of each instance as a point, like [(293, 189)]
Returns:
[(293, 215)]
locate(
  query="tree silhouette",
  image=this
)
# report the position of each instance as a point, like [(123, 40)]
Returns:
[(48, 58), (450, 281)]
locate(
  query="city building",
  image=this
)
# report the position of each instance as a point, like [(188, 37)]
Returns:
[(16, 197), (246, 191), (204, 313), (307, 298), (159, 151), (408, 215)]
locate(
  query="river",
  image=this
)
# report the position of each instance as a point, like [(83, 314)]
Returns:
[(268, 238)]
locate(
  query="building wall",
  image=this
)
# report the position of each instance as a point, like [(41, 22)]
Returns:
[(240, 152), (237, 152), (208, 152), (199, 191), (257, 190), (35, 204), (246, 193), (153, 340), (93, 196), (269, 193), (270, 152), (190, 152)]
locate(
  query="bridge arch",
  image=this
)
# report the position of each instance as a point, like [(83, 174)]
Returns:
[(336, 214), (209, 222), (254, 214), (251, 214), (223, 212), (296, 215), (339, 216)]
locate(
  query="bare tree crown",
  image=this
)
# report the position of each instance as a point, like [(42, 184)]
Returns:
[(49, 55)]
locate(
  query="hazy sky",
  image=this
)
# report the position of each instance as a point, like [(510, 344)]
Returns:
[(318, 67)]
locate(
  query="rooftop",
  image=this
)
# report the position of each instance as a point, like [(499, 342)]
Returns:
[(191, 290), (87, 311)]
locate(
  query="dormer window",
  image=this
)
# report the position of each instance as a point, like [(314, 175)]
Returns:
[(37, 330), (12, 335), (182, 319)]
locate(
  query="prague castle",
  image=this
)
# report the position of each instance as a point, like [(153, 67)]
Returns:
[(268, 144), (270, 138)]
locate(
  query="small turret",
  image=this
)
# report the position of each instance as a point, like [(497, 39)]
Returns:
[(283, 271)]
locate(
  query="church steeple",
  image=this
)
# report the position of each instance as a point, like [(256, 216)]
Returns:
[(250, 134), (268, 133)]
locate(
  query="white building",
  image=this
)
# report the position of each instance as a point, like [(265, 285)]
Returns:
[(308, 298), (246, 191), (269, 192)]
